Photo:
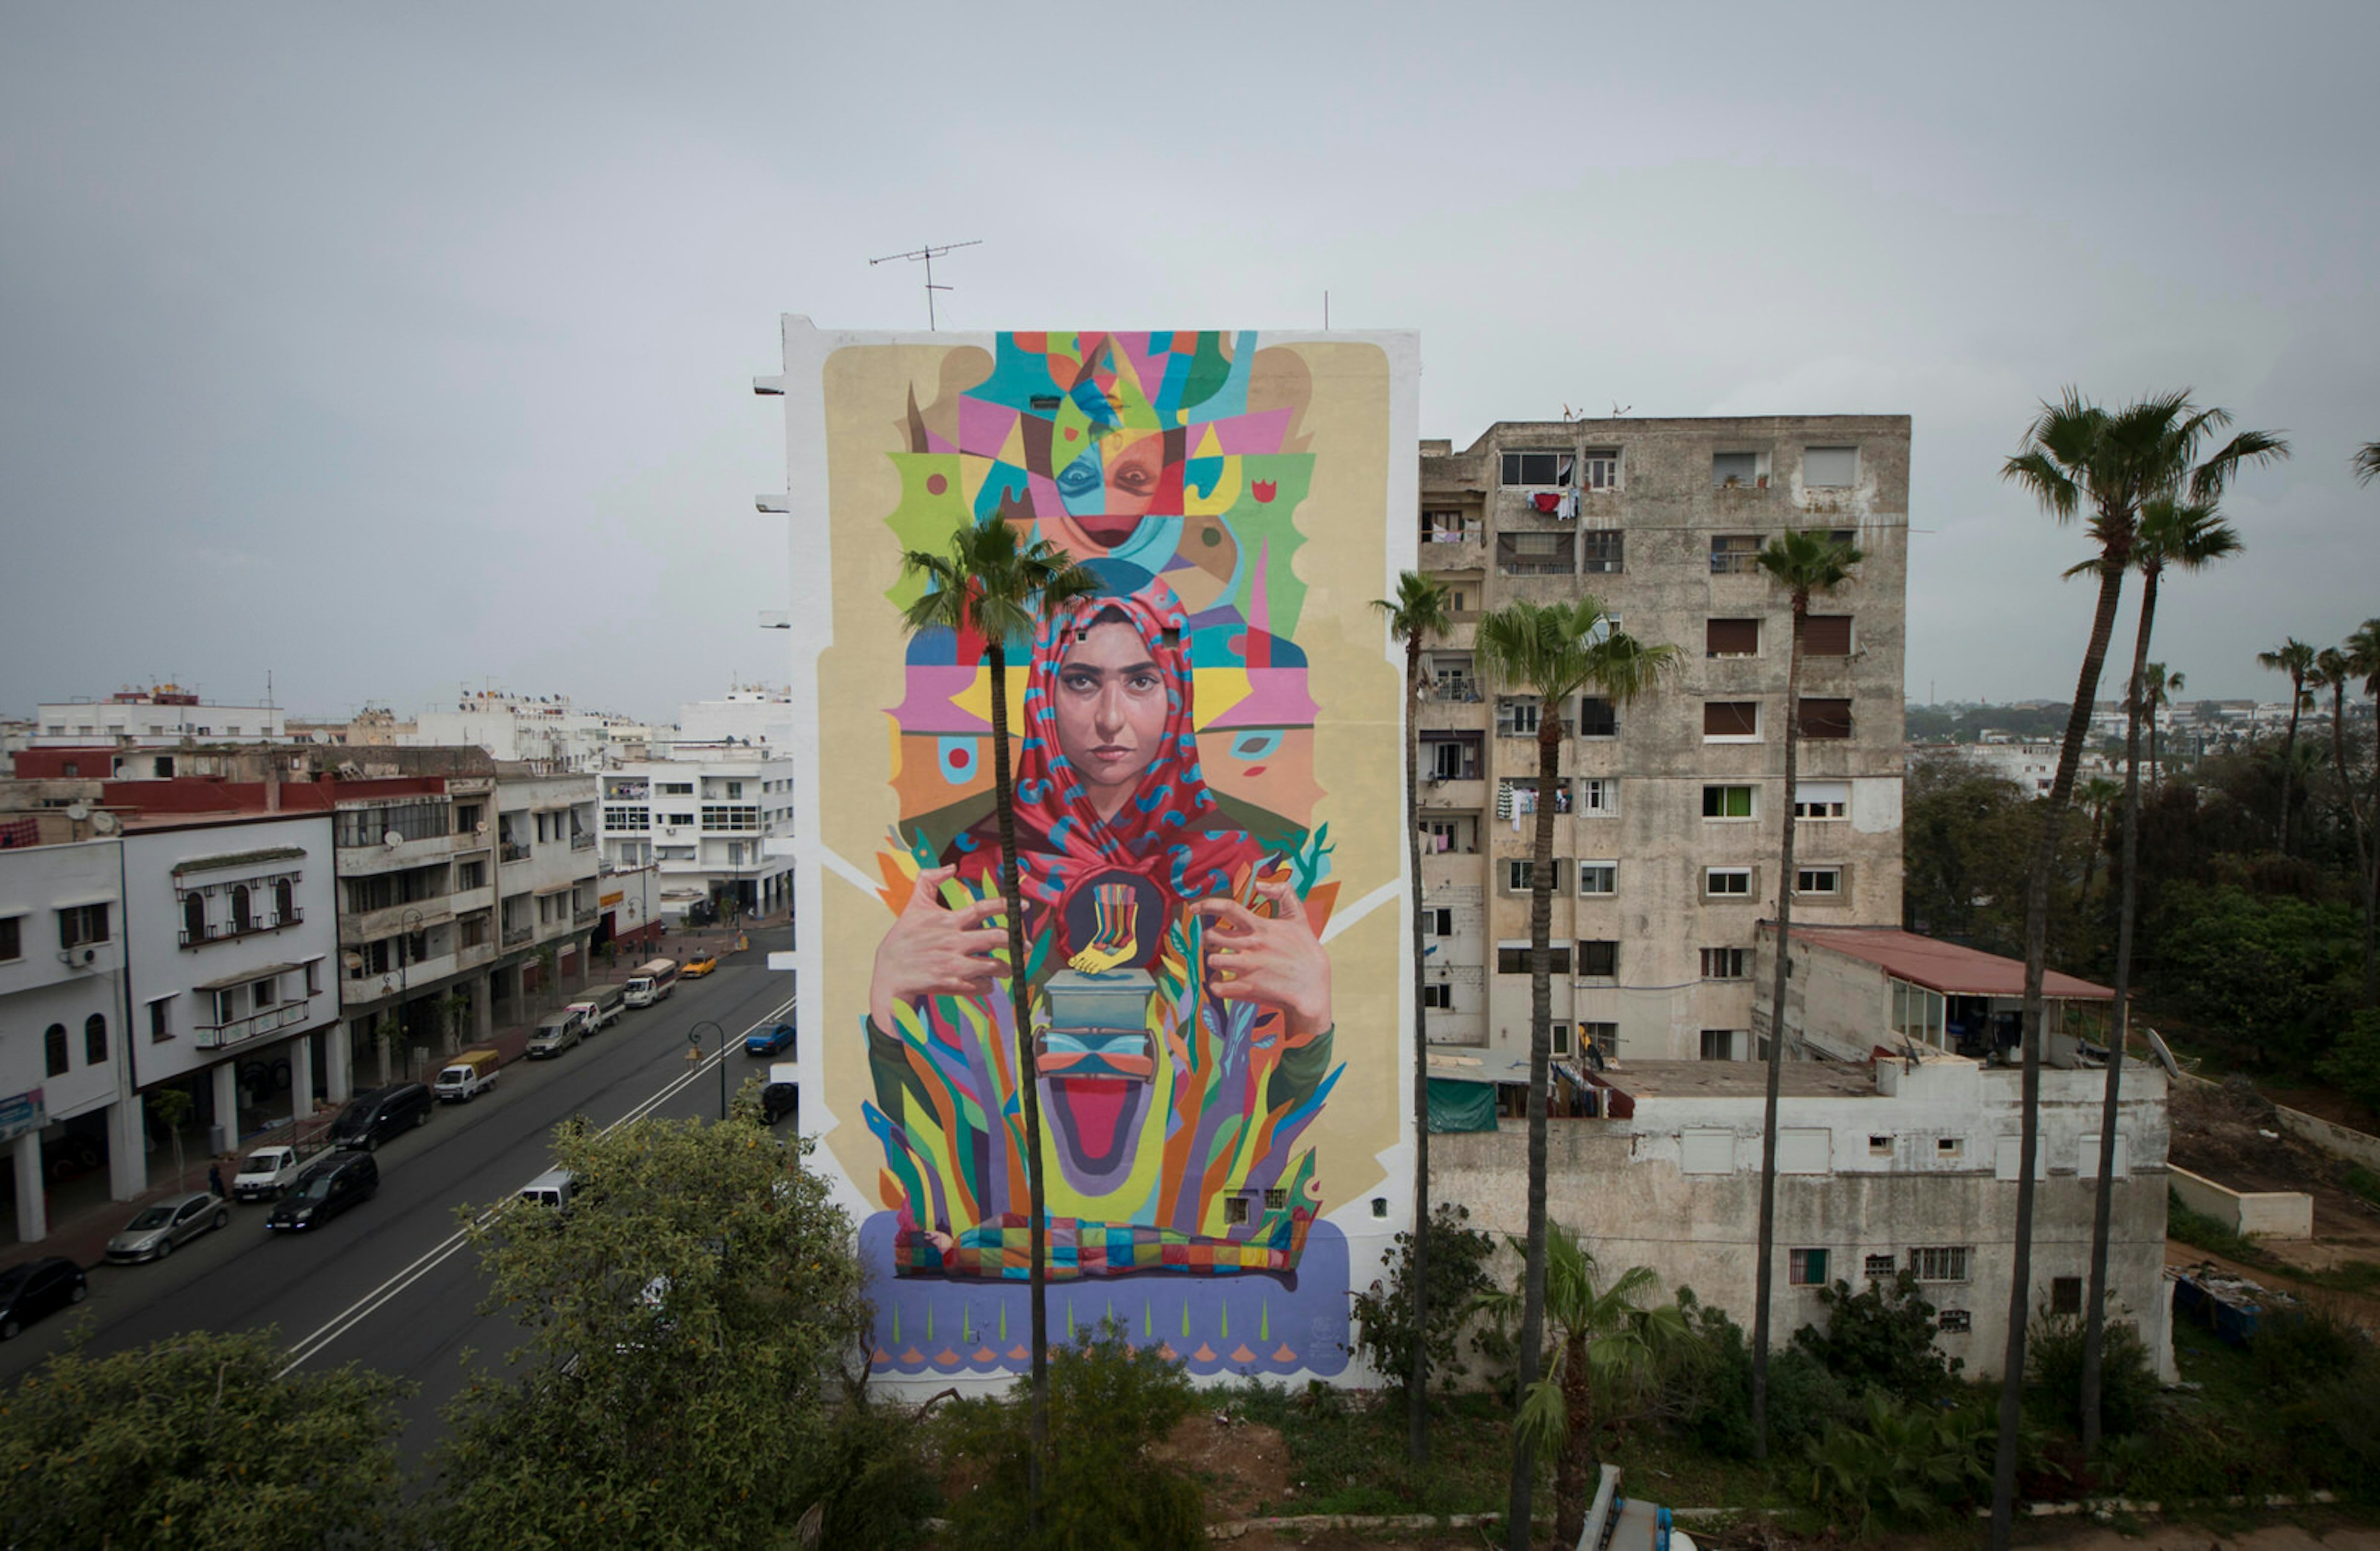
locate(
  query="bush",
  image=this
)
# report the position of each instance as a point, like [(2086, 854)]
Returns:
[(1108, 1403), (1881, 1338), (1712, 1388), (1458, 1275), (1901, 1463), (2295, 1352), (2053, 1368), (879, 1489)]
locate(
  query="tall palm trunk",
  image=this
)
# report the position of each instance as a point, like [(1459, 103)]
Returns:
[(1571, 1467), (2289, 755), (1417, 1379), (2091, 857), (2095, 1311), (1541, 1015), (1765, 1267), (1020, 1001), (2368, 876), (2112, 566)]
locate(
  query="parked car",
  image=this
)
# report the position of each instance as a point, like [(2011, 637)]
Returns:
[(700, 965), (269, 1171), (557, 1032), (324, 1191), (776, 1041), (38, 1288), (469, 1075), (654, 979), (778, 1100), (372, 1118), (553, 1188), (177, 1219), (603, 1004)]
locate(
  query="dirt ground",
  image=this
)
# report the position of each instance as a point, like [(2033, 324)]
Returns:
[(2227, 1135)]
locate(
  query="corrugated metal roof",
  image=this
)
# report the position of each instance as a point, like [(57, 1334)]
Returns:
[(1945, 966)]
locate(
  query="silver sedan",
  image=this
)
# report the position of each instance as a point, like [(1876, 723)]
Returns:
[(174, 1220)]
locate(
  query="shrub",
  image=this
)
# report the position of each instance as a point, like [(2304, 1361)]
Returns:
[(1712, 1388), (1458, 1275), (2297, 1351), (1882, 1338), (1108, 1403), (878, 1487), (1901, 1463), (2053, 1368)]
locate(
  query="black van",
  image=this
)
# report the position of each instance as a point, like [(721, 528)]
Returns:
[(370, 1119), (324, 1191)]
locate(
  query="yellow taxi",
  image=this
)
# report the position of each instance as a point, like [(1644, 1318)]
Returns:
[(700, 965)]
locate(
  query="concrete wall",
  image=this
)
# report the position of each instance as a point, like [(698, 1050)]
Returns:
[(2339, 1140), (38, 988), (1667, 512), (2267, 1213)]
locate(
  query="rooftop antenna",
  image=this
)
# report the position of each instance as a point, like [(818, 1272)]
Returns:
[(927, 255)]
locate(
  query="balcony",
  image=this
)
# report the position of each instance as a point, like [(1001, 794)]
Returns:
[(516, 937), (238, 1031), (584, 915), (515, 851), (223, 931), (583, 841)]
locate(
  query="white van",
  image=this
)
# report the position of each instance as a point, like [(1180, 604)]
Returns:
[(654, 979), (553, 1188), (602, 1005)]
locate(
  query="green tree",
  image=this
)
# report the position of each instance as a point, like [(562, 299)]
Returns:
[(2158, 690), (1421, 607), (696, 1316), (200, 1440), (2076, 454), (988, 586), (2181, 536), (2367, 463), (1555, 652), (2294, 658), (2362, 649), (2272, 970), (2356, 661), (1607, 1349), (2099, 797), (1804, 564)]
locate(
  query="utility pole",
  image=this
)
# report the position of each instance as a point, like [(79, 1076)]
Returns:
[(927, 255)]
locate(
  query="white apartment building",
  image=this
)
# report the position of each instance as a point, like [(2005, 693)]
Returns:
[(548, 868), (550, 730), (716, 822), (158, 718), (1665, 845), (754, 716), (62, 1017)]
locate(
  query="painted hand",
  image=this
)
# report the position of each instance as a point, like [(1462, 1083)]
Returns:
[(934, 950), (1275, 959)]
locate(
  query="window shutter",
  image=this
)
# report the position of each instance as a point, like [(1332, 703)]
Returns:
[(1733, 637), (1731, 718), (1830, 468), (1826, 635), (1825, 719)]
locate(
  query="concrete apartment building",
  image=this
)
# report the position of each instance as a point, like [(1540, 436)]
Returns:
[(62, 1009), (1665, 852), (549, 730), (716, 821), (161, 717)]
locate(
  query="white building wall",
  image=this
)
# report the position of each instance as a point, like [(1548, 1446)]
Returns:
[(684, 816), (145, 723), (38, 987)]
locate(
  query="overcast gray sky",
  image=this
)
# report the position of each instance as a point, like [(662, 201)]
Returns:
[(389, 349)]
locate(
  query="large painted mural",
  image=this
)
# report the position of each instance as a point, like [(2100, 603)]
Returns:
[(1206, 825)]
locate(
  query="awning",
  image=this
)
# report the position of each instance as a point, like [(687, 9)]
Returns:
[(245, 976)]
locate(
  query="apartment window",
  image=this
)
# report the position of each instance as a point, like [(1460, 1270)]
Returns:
[(1825, 719), (1830, 468), (1954, 1322), (1880, 1146), (94, 1040), (1805, 1267), (1731, 637), (1880, 1268), (735, 789), (1603, 550), (1734, 554), (1597, 719), (1536, 553), (1236, 1210), (53, 1050), (722, 818), (284, 902), (1942, 1264), (1726, 883), (1600, 1040), (677, 820), (313, 977), (1598, 796), (1520, 874), (1557, 1040), (1598, 960), (635, 818), (1599, 877), (1724, 964), (82, 923), (1819, 882), (1516, 717), (1437, 921), (12, 938), (1452, 760), (1732, 720), (1440, 836), (1599, 470), (1827, 635), (1719, 1045), (468, 817), (1515, 960), (1539, 468), (1438, 994), (1448, 527), (354, 827), (2065, 1295), (243, 917), (1822, 799), (265, 992), (1950, 1146), (1729, 801), (1736, 469), (470, 875), (161, 1020)]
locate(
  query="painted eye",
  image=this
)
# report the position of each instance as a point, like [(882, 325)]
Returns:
[(1081, 477), (1251, 746)]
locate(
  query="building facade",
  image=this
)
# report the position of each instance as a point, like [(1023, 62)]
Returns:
[(157, 717), (1665, 843), (549, 730), (716, 823)]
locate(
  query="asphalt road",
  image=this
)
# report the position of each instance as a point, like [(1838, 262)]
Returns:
[(388, 1284)]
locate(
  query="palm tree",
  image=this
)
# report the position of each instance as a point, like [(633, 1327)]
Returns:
[(2098, 796), (2294, 658), (988, 586), (2367, 463), (2362, 660), (2185, 536), (1420, 608), (2159, 687), (1607, 1352), (2335, 668), (2077, 454), (1803, 562), (1556, 651)]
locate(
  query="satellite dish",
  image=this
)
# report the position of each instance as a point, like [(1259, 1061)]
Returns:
[(481, 828), (103, 822), (391, 840), (353, 961), (78, 811)]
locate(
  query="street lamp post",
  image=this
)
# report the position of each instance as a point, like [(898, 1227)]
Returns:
[(694, 1042), (407, 925)]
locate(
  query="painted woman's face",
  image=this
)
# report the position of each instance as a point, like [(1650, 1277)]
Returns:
[(1132, 471), (1110, 711)]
